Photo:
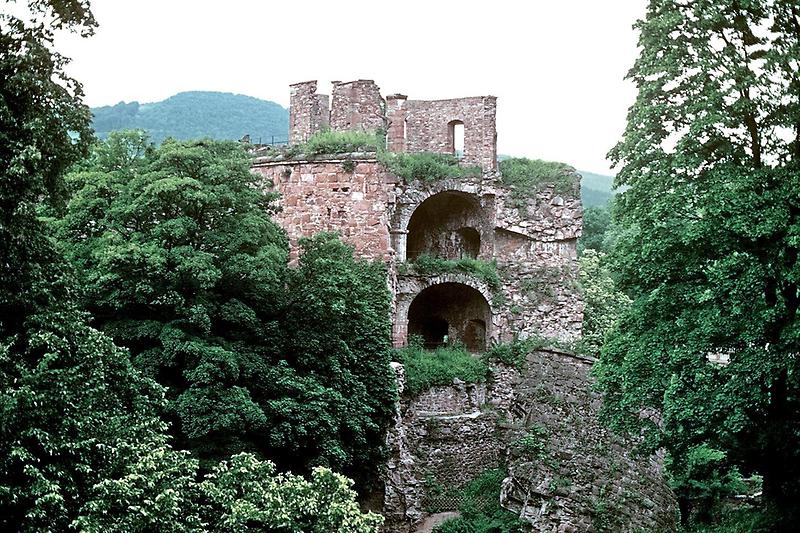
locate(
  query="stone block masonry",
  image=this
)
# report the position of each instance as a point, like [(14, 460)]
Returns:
[(567, 473), (345, 195), (410, 125)]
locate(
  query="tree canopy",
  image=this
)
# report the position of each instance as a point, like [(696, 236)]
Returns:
[(709, 253), (183, 265)]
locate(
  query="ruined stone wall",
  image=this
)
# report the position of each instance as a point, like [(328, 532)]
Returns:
[(347, 194), (567, 473), (357, 105), (533, 242), (308, 111), (425, 126)]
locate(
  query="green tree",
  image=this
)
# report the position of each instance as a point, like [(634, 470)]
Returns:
[(239, 494), (335, 392), (711, 154), (183, 265), (603, 302), (73, 411)]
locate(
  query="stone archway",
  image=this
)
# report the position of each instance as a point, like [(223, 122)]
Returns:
[(444, 225), (450, 313)]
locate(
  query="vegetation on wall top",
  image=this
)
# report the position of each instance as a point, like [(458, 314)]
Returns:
[(429, 368), (529, 176), (427, 167)]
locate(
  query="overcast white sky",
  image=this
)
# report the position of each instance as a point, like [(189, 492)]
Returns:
[(556, 66)]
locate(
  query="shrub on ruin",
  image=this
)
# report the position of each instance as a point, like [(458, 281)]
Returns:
[(338, 142), (486, 271), (530, 176), (427, 167), (480, 508), (430, 368)]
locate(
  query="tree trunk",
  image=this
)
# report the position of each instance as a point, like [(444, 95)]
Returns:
[(781, 489)]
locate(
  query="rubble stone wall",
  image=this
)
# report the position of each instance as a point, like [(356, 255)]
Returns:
[(567, 473), (535, 253)]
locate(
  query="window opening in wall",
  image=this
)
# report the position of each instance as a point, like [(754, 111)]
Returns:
[(456, 134)]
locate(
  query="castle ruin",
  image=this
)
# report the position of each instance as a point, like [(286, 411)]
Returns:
[(452, 434)]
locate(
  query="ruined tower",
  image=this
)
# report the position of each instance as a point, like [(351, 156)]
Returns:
[(476, 260), (532, 239)]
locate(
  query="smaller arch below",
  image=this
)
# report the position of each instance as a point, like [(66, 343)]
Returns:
[(450, 313)]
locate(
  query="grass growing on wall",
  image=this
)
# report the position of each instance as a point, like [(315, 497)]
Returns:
[(337, 142), (483, 270), (429, 368), (427, 167), (529, 176)]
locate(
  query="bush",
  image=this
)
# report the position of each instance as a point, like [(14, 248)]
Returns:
[(480, 509), (338, 142), (426, 369), (426, 166)]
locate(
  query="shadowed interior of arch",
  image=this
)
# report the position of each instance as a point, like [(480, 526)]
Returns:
[(444, 226), (451, 313)]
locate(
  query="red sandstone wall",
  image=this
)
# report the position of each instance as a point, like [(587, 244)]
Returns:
[(356, 105), (323, 196), (308, 111), (422, 126)]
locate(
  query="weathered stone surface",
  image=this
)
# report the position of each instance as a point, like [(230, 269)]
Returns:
[(343, 194), (566, 471)]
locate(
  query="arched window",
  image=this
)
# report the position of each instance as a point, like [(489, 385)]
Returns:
[(455, 130)]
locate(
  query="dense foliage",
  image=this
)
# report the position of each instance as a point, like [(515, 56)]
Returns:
[(81, 442), (429, 368), (603, 302), (195, 115), (710, 252), (241, 494), (183, 265)]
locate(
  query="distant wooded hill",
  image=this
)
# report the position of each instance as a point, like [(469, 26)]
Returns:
[(596, 189), (197, 114)]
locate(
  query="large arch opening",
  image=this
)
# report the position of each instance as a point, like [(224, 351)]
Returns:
[(450, 313), (445, 225)]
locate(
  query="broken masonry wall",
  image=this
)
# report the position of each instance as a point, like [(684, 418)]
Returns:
[(346, 195)]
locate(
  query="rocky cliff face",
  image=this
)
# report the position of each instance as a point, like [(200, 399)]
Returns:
[(566, 472)]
